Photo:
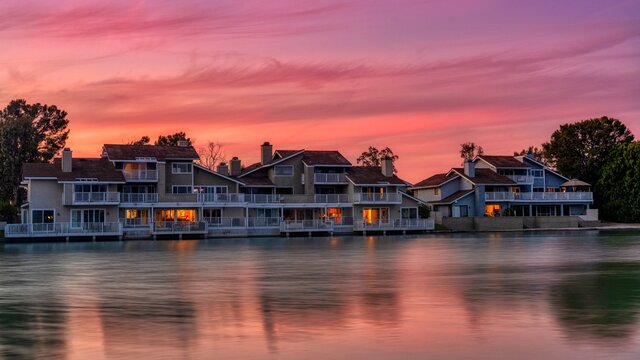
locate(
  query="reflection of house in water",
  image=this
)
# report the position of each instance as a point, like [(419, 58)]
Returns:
[(322, 289)]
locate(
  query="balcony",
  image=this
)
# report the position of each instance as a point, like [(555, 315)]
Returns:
[(264, 198), (221, 198), (146, 198), (539, 196), (180, 227), (62, 229), (329, 178), (397, 224), (140, 175), (332, 198), (177, 198), (521, 179), (306, 225), (377, 198), (95, 198)]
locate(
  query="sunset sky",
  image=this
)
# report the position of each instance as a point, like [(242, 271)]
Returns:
[(418, 76)]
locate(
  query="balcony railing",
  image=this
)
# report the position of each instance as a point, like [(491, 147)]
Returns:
[(221, 198), (136, 223), (521, 179), (329, 178), (261, 222), (96, 197), (332, 198), (397, 224), (377, 198), (170, 227), (225, 222), (140, 175), (306, 225), (264, 198), (63, 229), (539, 196), (139, 198)]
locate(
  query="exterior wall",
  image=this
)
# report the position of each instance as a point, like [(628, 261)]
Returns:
[(426, 194), (309, 186), (479, 197), (468, 201), (175, 179), (482, 165), (553, 180), (294, 181), (205, 178), (162, 178), (465, 184), (450, 187), (46, 195)]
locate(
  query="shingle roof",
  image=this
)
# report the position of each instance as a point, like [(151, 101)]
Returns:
[(318, 157), (161, 153), (366, 175), (501, 161), (453, 197), (434, 180), (286, 153), (250, 168), (82, 168), (485, 176), (257, 178)]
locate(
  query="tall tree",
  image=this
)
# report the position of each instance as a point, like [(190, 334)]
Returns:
[(619, 193), (581, 149), (142, 141), (469, 150), (374, 157), (538, 154), (172, 139), (28, 133), (211, 155)]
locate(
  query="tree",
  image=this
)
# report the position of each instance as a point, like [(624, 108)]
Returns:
[(619, 193), (538, 154), (469, 150), (28, 133), (374, 157), (142, 141), (581, 149), (173, 139), (211, 155)]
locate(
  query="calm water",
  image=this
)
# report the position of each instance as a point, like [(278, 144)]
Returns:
[(572, 295)]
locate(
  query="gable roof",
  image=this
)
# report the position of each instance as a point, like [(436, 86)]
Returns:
[(485, 176), (205, 169), (254, 167), (501, 161), (160, 153), (435, 180), (371, 175), (257, 178), (452, 198), (324, 157), (82, 168)]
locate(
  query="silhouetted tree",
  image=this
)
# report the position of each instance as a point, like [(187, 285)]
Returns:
[(142, 141), (374, 157), (469, 150), (211, 155), (538, 154)]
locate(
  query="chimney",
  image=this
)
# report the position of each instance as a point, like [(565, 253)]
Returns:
[(66, 160), (223, 169), (266, 153), (183, 143), (530, 154), (387, 166), (470, 168), (235, 166)]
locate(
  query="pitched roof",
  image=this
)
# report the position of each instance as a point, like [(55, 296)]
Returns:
[(365, 175), (82, 168), (501, 161), (250, 168), (257, 179), (453, 197), (485, 176), (435, 180), (322, 157), (285, 153), (161, 153)]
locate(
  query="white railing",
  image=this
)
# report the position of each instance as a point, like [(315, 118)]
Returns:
[(264, 198), (139, 198), (259, 222), (135, 223), (377, 198), (539, 196), (332, 198), (95, 197), (220, 198), (140, 175), (62, 229), (521, 179), (396, 224), (328, 178), (179, 227), (306, 225), (225, 222)]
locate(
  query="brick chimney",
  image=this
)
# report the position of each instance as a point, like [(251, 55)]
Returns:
[(266, 153), (470, 168), (66, 160), (235, 166), (223, 169), (387, 166)]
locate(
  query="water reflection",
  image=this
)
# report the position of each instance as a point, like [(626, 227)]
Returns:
[(459, 296)]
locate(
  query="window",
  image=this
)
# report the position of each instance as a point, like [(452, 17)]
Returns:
[(409, 213), (284, 170), (88, 188), (537, 173), (181, 168), (375, 215), (211, 189), (436, 191), (182, 189), (42, 216), (492, 210), (84, 216)]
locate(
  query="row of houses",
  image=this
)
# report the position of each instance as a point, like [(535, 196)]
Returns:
[(138, 191)]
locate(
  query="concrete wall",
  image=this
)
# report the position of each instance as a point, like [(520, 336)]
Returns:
[(498, 223), (481, 223), (458, 224), (551, 222)]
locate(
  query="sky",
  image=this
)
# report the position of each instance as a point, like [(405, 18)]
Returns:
[(420, 77)]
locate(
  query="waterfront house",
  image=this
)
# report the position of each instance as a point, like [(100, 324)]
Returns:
[(504, 186), (138, 191)]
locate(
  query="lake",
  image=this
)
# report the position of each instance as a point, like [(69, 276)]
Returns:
[(551, 295)]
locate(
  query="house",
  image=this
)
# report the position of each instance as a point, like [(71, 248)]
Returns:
[(504, 185), (138, 191)]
